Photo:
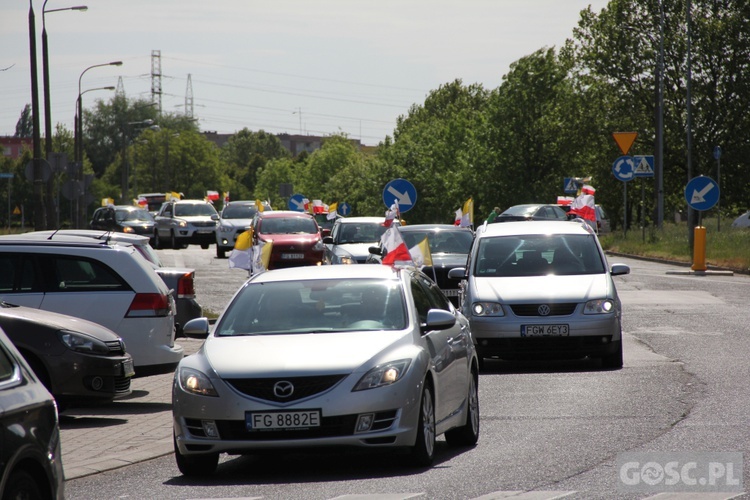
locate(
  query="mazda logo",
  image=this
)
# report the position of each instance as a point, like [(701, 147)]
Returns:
[(543, 310), (283, 389)]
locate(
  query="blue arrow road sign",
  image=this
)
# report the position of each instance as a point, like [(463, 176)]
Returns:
[(402, 192), (344, 209), (297, 203), (623, 168), (702, 193)]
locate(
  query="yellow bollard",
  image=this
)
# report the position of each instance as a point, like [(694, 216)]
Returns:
[(699, 249)]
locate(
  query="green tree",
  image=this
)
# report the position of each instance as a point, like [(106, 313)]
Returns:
[(270, 177), (246, 153), (25, 125)]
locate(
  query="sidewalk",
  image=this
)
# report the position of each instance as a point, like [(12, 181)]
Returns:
[(124, 432)]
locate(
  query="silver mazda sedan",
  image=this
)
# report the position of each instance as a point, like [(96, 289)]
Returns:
[(365, 356)]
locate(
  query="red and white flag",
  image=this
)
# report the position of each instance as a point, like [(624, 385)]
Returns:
[(212, 195), (391, 214), (396, 249), (584, 205), (318, 207), (459, 216)]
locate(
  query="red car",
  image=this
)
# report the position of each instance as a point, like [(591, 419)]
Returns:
[(295, 235)]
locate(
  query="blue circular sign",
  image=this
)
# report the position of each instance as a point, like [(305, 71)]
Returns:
[(344, 209), (702, 193), (297, 203), (402, 192), (624, 168)]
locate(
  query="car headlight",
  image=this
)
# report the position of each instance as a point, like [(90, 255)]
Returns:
[(82, 343), (226, 229), (195, 382), (346, 259), (487, 309), (382, 375), (599, 306), (128, 229), (182, 223)]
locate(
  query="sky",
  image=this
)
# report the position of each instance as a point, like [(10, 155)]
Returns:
[(283, 66)]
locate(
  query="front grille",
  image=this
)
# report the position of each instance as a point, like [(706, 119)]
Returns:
[(533, 309), (122, 385), (200, 223), (304, 387), (343, 425), (440, 276), (115, 347)]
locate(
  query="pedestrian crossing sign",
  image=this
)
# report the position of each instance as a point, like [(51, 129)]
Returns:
[(570, 185), (644, 166)]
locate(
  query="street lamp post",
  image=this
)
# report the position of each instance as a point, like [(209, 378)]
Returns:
[(45, 72), (79, 138), (39, 216), (660, 126)]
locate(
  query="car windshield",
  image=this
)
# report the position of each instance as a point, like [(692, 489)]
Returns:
[(538, 255), (524, 210), (133, 216), (361, 233), (443, 241), (314, 306), (238, 212), (288, 225), (193, 209)]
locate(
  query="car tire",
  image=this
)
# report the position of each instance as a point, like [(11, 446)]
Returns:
[(195, 465), (173, 241), (220, 252), (468, 434), (204, 246), (158, 244), (423, 451), (21, 484), (613, 361)]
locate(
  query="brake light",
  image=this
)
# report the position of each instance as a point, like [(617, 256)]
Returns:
[(149, 305), (186, 286)]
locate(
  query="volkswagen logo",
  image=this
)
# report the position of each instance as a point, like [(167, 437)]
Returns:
[(283, 389), (543, 310)]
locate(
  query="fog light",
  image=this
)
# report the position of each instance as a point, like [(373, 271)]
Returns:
[(364, 422), (209, 428), (97, 383)]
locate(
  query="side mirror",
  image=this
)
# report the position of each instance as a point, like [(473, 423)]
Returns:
[(328, 240), (375, 251), (619, 269), (438, 319), (215, 217), (457, 273), (196, 328)]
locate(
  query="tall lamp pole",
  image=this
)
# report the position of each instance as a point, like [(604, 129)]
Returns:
[(39, 216), (51, 210), (660, 126), (79, 139)]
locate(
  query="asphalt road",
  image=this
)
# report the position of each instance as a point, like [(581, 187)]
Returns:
[(547, 429)]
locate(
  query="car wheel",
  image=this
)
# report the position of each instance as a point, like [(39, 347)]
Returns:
[(173, 241), (157, 241), (204, 246), (21, 484), (195, 465), (613, 361), (423, 451), (220, 253), (467, 434)]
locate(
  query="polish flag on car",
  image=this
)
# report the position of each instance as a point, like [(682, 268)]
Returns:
[(584, 205), (396, 249), (212, 195), (391, 214)]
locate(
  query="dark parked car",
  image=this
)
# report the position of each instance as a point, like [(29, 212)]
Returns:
[(295, 235), (123, 219), (532, 212), (77, 361), (449, 248), (30, 457)]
